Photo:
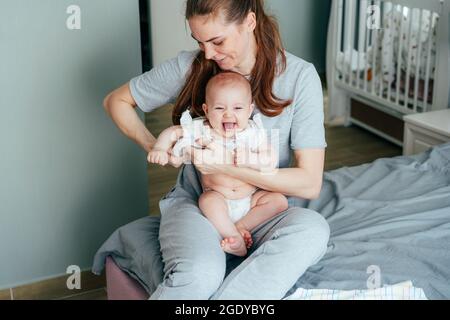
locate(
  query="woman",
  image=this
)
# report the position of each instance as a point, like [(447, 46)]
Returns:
[(236, 36)]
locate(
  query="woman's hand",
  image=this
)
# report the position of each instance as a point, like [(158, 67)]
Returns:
[(212, 158), (245, 158), (175, 161), (263, 160)]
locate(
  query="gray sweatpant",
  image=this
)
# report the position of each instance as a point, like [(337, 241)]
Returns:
[(195, 266)]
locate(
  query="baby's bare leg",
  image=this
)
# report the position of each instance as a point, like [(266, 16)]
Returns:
[(264, 206), (213, 205)]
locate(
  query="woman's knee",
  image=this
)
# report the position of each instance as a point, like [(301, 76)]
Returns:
[(196, 278), (310, 222)]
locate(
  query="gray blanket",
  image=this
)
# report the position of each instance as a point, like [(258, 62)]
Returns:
[(391, 216)]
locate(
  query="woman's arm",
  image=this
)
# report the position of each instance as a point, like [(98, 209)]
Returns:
[(120, 106), (304, 180)]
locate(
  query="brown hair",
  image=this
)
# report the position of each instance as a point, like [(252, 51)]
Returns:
[(266, 67)]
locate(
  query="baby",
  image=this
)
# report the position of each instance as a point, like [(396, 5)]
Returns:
[(234, 207)]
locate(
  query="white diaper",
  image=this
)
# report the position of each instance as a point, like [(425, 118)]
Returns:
[(238, 208)]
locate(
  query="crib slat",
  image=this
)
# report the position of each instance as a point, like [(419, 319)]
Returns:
[(340, 38), (399, 57), (418, 56), (361, 38), (427, 73), (352, 38), (375, 50), (367, 40), (382, 11), (347, 37), (408, 68), (391, 51)]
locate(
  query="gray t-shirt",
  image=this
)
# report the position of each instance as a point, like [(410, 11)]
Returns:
[(299, 126)]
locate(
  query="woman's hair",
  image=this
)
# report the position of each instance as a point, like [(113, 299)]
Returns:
[(266, 68)]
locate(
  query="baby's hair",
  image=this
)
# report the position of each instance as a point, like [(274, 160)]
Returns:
[(229, 79)]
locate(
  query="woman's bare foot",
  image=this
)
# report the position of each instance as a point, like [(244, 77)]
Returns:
[(234, 245)]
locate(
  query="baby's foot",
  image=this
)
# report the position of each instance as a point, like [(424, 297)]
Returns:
[(234, 245), (247, 237)]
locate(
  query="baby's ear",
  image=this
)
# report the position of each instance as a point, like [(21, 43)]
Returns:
[(205, 108)]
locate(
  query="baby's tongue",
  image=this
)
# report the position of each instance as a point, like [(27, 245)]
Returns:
[(228, 125)]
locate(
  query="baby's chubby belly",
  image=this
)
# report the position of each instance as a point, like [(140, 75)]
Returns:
[(230, 188)]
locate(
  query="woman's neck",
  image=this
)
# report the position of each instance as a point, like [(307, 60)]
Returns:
[(247, 65)]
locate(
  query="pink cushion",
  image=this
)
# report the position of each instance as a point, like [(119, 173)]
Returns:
[(120, 286)]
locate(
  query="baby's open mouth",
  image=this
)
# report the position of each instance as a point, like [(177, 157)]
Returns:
[(229, 125)]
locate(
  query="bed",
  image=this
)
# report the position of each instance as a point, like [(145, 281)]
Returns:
[(392, 214), (387, 59)]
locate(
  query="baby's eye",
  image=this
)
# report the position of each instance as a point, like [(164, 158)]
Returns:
[(218, 43)]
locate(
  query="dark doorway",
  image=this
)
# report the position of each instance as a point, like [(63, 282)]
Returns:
[(146, 47)]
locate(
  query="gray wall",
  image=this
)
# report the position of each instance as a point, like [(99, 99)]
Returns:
[(68, 178), (303, 26), (169, 29)]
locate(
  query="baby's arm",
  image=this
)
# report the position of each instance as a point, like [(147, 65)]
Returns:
[(160, 151)]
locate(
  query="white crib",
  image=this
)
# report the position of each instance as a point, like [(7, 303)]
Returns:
[(386, 59)]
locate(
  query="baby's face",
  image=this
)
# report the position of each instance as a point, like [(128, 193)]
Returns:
[(228, 109)]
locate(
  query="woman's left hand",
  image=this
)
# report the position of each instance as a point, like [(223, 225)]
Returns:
[(264, 161), (212, 159), (245, 158)]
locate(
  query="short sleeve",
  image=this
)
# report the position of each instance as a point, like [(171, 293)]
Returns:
[(307, 130), (163, 83)]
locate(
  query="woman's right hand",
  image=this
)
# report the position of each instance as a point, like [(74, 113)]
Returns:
[(175, 161), (212, 158)]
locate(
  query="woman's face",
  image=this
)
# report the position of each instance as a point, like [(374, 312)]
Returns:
[(229, 45)]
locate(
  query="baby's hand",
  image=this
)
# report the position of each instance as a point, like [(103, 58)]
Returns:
[(158, 156)]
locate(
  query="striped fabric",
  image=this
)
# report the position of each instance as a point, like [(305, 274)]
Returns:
[(399, 291)]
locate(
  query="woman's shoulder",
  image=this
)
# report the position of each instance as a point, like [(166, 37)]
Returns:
[(183, 60), (298, 72), (179, 64), (296, 66), (187, 55)]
